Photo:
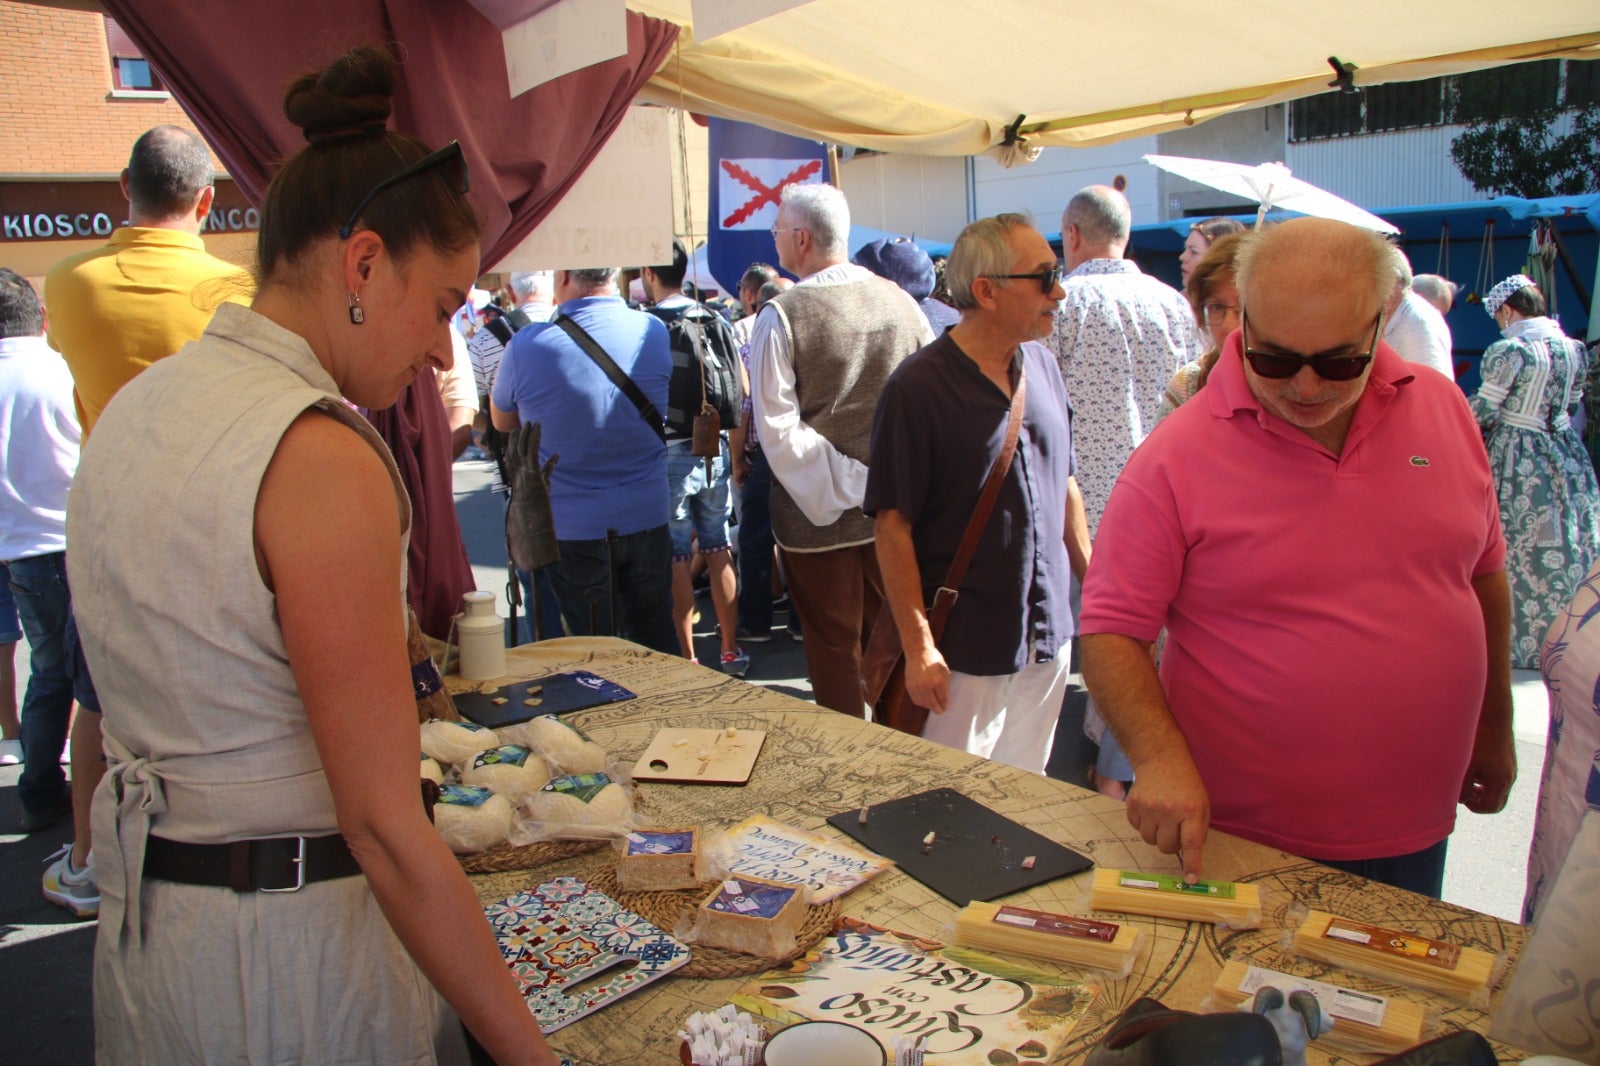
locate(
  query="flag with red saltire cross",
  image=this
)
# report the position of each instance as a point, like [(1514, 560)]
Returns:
[(749, 168)]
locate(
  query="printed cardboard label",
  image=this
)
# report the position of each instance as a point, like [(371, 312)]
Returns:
[(648, 842), (1392, 942), (464, 795), (505, 755), (1177, 885), (752, 900), (1057, 924), (579, 786), (1347, 1003)]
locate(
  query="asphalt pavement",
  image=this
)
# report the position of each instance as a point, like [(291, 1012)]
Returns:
[(45, 954)]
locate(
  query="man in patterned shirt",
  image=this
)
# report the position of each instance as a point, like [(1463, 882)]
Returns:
[(1120, 334)]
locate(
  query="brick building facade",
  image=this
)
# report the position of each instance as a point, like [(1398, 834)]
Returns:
[(72, 103)]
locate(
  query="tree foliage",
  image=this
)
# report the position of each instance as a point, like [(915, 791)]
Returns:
[(1525, 155)]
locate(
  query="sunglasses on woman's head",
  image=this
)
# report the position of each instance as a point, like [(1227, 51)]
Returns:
[(449, 156), (1280, 365)]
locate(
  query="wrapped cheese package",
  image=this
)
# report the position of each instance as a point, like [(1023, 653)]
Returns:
[(453, 743), (750, 915), (431, 770), (565, 746), (1363, 1021), (1400, 957), (471, 819), (1091, 943), (574, 807), (509, 771), (659, 860), (1229, 904)]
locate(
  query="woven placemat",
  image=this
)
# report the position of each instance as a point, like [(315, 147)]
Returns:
[(664, 909), (526, 857)]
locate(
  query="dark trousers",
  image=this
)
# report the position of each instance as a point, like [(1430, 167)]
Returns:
[(549, 609), (44, 605), (1421, 872), (837, 594), (755, 547), (582, 584)]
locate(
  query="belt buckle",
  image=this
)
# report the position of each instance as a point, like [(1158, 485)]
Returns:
[(299, 861)]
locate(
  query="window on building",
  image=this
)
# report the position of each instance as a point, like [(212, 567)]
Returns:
[(130, 70), (1328, 115), (1583, 83), (1487, 95)]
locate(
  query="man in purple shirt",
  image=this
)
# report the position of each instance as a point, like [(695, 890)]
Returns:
[(994, 682)]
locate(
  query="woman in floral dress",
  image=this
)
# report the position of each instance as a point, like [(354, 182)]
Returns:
[(1549, 500)]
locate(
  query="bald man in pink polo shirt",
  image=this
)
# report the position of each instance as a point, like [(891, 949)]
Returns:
[(1318, 532)]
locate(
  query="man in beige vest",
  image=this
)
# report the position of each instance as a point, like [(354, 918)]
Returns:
[(819, 355)]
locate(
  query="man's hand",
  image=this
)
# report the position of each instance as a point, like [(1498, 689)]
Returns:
[(741, 470), (1490, 774), (928, 679), (1170, 808)]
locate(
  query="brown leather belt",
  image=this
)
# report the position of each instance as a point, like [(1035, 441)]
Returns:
[(280, 864)]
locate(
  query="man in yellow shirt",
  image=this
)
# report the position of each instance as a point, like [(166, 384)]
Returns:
[(113, 311)]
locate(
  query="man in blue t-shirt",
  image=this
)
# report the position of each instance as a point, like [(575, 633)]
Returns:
[(608, 489)]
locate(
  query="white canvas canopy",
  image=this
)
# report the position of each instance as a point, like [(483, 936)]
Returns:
[(947, 77)]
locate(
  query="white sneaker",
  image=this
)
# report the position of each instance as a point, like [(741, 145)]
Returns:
[(69, 888), (10, 752)]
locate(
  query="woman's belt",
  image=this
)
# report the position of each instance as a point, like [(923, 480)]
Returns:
[(278, 864)]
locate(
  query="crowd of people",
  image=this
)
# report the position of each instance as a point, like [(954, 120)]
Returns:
[(1272, 474)]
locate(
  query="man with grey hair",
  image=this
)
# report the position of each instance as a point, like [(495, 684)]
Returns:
[(1120, 334), (1439, 291), (994, 682), (1319, 535), (608, 490), (819, 356), (1415, 328)]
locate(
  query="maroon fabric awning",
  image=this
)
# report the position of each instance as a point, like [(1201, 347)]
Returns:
[(228, 66)]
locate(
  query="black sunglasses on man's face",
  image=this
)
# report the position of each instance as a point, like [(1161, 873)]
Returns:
[(1047, 279), (1280, 365), (448, 156)]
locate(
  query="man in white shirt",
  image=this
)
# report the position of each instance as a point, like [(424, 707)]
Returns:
[(819, 355), (39, 438), (1415, 328), (1120, 334)]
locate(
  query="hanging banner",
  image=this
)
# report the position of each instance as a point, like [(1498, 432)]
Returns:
[(749, 168)]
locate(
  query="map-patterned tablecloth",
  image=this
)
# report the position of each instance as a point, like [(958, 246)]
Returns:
[(817, 762)]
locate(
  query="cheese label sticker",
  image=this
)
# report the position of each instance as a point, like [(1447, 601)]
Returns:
[(464, 795), (1363, 1007), (651, 842), (579, 786), (1177, 885), (752, 900), (1392, 942), (1056, 924), (505, 755)]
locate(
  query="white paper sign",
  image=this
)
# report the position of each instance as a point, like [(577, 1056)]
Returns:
[(713, 17), (618, 214), (565, 37)]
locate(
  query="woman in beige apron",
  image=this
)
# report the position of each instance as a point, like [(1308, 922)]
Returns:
[(271, 888)]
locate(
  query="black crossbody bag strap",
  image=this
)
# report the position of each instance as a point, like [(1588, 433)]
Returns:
[(647, 410)]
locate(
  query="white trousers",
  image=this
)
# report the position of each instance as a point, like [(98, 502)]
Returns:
[(1010, 718)]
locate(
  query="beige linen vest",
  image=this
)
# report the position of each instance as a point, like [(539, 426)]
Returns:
[(845, 340), (205, 735)]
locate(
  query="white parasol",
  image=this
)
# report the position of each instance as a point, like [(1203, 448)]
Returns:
[(1272, 186)]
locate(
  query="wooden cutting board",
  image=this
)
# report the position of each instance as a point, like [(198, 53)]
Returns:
[(701, 756)]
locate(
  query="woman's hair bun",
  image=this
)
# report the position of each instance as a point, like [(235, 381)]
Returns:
[(350, 98)]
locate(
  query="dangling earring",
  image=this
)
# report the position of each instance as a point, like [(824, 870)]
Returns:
[(357, 316)]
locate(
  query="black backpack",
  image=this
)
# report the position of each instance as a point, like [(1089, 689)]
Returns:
[(701, 340), (495, 442)]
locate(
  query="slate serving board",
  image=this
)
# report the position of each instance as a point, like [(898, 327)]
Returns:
[(976, 853)]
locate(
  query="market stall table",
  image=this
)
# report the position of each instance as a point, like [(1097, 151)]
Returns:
[(817, 762)]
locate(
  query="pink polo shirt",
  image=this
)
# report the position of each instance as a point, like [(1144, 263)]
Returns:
[(1325, 657)]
